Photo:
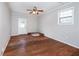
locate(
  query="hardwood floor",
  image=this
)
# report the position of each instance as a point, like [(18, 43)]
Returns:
[(27, 45)]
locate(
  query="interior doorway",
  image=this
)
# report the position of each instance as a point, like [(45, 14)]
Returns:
[(22, 26)]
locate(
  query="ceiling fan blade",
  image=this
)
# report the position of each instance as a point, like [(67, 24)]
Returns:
[(40, 10), (29, 10)]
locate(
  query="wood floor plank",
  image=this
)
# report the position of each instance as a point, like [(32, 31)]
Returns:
[(27, 45)]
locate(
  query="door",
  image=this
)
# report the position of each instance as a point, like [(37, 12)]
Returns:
[(22, 26)]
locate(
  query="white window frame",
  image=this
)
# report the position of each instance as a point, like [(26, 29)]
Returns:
[(72, 21)]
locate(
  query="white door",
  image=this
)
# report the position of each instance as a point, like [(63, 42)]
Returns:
[(22, 26)]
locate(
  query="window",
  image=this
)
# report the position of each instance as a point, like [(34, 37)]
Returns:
[(65, 16)]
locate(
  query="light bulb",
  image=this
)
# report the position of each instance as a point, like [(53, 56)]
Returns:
[(34, 12)]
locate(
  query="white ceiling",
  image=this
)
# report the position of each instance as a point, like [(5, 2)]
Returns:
[(23, 6)]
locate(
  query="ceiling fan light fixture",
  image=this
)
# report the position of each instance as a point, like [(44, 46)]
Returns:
[(35, 11)]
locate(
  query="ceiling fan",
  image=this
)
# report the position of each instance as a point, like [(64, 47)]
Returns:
[(34, 10)]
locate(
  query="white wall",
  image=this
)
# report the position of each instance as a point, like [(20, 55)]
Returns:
[(4, 26), (31, 22), (14, 22), (68, 34)]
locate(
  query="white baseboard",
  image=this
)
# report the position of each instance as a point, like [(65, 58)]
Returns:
[(18, 34), (1, 53), (4, 47), (14, 34), (62, 41)]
